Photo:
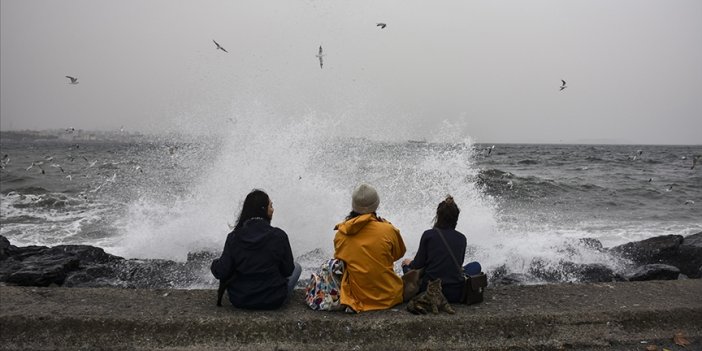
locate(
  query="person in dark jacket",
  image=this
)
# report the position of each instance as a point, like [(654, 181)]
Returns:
[(259, 256), (434, 257)]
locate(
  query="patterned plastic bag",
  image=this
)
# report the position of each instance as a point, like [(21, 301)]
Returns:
[(322, 292)]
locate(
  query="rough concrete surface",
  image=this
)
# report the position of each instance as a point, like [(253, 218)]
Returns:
[(598, 316)]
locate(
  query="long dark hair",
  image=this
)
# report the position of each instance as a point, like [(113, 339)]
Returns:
[(255, 205), (447, 214), (354, 214)]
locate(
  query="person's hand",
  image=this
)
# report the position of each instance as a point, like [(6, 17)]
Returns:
[(406, 262)]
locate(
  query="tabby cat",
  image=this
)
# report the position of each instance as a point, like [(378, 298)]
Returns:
[(433, 298)]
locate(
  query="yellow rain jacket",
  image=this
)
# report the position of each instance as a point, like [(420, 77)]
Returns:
[(369, 247)]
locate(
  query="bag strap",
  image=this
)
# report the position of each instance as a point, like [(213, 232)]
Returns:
[(455, 261)]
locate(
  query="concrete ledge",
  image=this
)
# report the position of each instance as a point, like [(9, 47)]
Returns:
[(547, 317)]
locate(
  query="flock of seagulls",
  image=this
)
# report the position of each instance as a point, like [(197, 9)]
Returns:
[(59, 168), (320, 57)]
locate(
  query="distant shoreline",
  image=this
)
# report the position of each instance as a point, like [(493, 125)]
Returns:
[(98, 135)]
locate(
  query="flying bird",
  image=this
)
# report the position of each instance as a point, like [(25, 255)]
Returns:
[(563, 86), (56, 165), (381, 25), (320, 55), (219, 47), (74, 80)]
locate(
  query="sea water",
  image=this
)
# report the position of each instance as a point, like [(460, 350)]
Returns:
[(163, 196)]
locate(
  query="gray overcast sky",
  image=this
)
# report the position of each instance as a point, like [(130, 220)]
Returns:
[(490, 68)]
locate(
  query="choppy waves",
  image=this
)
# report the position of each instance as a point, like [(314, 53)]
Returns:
[(522, 206)]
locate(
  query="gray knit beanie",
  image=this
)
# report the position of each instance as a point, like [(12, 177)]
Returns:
[(364, 199)]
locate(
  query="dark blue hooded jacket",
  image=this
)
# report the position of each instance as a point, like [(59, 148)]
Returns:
[(261, 257), (434, 257)]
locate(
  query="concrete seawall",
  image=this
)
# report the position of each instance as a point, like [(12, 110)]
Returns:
[(599, 316)]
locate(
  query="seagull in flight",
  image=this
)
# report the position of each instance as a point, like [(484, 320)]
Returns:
[(74, 80), (381, 25), (489, 150), (320, 55), (563, 86), (219, 47)]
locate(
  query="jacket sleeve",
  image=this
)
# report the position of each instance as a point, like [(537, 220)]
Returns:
[(420, 259), (223, 266), (398, 247), (287, 264)]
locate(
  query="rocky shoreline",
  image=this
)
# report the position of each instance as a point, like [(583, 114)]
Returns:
[(667, 257)]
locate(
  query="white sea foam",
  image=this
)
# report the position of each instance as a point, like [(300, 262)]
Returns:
[(309, 169)]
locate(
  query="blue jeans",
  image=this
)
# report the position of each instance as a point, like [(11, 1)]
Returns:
[(471, 268), (293, 278)]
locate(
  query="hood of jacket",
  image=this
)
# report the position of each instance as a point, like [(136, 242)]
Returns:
[(254, 233), (354, 225)]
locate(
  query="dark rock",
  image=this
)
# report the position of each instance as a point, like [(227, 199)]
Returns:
[(85, 253), (498, 272), (683, 253), (654, 272), (20, 253), (693, 240), (591, 243), (571, 271), (545, 270), (658, 249), (689, 259), (93, 277), (502, 276), (99, 276), (9, 266), (201, 258), (4, 248), (590, 272), (41, 270), (511, 279)]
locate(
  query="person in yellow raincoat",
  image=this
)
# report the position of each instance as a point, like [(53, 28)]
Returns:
[(369, 246)]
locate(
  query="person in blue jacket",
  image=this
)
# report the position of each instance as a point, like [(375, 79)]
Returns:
[(434, 257), (259, 258)]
